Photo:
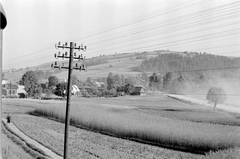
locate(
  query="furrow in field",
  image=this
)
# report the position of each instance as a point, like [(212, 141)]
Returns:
[(87, 144)]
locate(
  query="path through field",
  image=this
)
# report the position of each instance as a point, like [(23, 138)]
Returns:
[(229, 108), (86, 144)]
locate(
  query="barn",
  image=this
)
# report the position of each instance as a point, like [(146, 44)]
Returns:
[(139, 91)]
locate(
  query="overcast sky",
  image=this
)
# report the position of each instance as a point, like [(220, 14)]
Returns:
[(118, 26)]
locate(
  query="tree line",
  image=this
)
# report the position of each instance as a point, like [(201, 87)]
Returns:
[(176, 62), (114, 85)]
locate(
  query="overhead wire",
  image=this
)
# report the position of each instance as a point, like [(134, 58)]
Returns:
[(125, 23), (232, 23), (194, 16), (162, 44)]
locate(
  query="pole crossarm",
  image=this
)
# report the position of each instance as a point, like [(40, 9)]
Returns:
[(80, 68), (72, 55), (64, 46)]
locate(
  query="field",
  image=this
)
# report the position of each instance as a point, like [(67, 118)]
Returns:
[(155, 120), (120, 63), (10, 150)]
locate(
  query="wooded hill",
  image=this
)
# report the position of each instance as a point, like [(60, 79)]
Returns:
[(192, 64)]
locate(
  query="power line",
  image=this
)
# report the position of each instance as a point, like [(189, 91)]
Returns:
[(182, 18), (127, 23), (165, 32), (233, 16), (71, 56), (224, 6), (140, 19)]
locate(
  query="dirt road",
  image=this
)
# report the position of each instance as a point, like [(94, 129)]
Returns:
[(229, 108)]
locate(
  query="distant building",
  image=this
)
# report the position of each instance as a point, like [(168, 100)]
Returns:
[(75, 90), (21, 92), (100, 84), (4, 82), (9, 90), (139, 90)]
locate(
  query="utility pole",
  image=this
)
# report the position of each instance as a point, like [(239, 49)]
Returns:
[(10, 89), (72, 55)]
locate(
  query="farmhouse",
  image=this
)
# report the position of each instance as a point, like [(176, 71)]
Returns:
[(139, 90), (75, 90), (4, 82), (10, 90), (100, 84), (21, 92)]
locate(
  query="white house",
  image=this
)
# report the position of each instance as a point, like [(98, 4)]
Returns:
[(75, 90), (21, 92), (100, 84), (4, 82)]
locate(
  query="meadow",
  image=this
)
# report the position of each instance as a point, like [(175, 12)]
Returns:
[(155, 120)]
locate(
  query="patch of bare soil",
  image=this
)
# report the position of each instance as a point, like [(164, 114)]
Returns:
[(87, 144)]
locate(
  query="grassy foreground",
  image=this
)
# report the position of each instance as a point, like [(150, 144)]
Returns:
[(155, 120)]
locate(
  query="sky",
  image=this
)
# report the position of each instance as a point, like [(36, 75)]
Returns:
[(118, 26)]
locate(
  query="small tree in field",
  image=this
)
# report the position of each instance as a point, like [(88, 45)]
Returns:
[(217, 95)]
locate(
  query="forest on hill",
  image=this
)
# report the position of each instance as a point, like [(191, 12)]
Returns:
[(196, 63), (186, 72)]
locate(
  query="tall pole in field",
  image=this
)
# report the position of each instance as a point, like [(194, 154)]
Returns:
[(3, 24), (71, 56), (10, 89)]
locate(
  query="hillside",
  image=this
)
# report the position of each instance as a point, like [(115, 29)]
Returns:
[(132, 64), (116, 63)]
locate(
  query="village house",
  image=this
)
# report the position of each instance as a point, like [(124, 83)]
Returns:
[(100, 84), (9, 90), (21, 92), (75, 90), (139, 90)]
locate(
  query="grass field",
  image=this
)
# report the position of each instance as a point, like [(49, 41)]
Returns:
[(153, 119), (11, 150), (121, 64)]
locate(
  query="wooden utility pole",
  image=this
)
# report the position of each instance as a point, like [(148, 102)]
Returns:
[(71, 56)]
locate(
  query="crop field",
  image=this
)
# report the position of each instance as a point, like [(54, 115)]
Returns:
[(159, 121), (10, 150), (155, 120)]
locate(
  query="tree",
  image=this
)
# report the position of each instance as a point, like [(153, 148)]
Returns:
[(155, 81), (129, 88), (116, 81), (52, 81), (75, 80), (110, 81), (122, 80), (167, 79), (30, 82), (131, 80), (61, 89), (89, 81), (217, 95), (144, 76)]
